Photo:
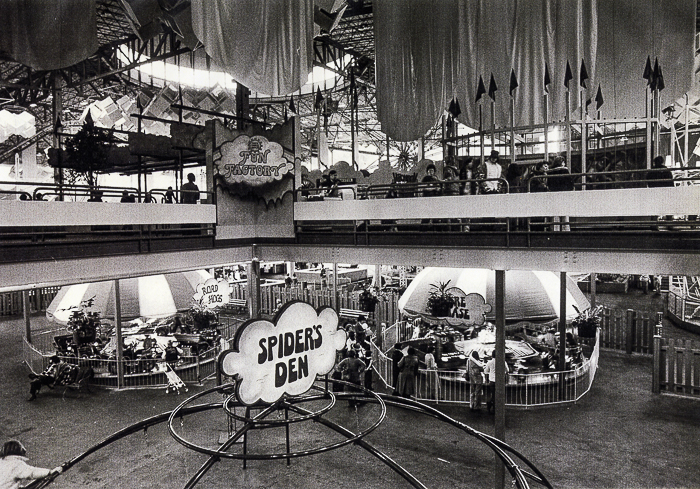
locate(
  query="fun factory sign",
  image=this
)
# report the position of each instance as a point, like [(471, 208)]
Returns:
[(271, 360), (254, 161)]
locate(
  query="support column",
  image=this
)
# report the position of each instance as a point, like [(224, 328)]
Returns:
[(56, 109), (254, 288), (593, 289), (334, 299), (562, 333), (656, 373), (27, 314), (118, 328), (500, 405)]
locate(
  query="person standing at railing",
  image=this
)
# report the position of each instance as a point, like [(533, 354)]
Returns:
[(491, 171), (475, 375), (560, 180), (431, 181), (660, 177), (431, 374), (189, 192), (169, 196), (396, 354), (490, 373), (408, 369)]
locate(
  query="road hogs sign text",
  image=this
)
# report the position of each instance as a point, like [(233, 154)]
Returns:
[(271, 360)]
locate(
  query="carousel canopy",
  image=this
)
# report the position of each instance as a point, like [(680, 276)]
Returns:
[(530, 295), (142, 297)]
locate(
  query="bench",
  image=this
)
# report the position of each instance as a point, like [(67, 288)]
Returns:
[(237, 304), (352, 313)]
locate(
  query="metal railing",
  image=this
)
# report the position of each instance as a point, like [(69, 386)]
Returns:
[(522, 390), (139, 372)]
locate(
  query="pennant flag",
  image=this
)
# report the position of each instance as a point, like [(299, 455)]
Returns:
[(492, 88), (599, 99), (481, 89), (319, 98), (658, 76), (292, 109), (647, 71), (584, 75), (89, 122), (568, 76), (513, 81), (547, 78), (454, 109), (58, 125)]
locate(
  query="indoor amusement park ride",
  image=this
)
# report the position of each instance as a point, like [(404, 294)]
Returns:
[(277, 371)]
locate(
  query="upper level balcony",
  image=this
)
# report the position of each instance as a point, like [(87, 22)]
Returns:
[(624, 215)]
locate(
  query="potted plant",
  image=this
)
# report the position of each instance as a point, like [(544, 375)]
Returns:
[(587, 323), (440, 302)]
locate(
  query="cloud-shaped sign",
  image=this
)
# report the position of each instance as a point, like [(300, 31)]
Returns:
[(252, 160), (212, 293), (271, 360)]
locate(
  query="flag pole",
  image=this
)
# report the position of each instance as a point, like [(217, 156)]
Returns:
[(481, 132), (584, 129), (546, 125), (512, 130), (493, 124)]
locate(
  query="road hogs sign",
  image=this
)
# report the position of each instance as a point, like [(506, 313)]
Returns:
[(284, 357)]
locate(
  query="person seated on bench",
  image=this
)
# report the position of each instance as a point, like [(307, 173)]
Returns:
[(47, 377)]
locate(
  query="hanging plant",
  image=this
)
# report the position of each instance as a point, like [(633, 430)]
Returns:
[(440, 302)]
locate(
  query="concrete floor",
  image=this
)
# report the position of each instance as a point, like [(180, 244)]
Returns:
[(620, 436)]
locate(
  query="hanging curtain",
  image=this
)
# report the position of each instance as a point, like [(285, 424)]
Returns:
[(483, 37), (48, 35), (266, 45), (415, 42)]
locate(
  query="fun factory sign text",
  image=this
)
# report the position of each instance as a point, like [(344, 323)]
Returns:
[(254, 161), (271, 360)]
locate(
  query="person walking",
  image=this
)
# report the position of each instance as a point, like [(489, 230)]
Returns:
[(352, 369), (474, 374), (14, 469)]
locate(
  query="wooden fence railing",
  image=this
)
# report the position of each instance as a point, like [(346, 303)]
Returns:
[(628, 330), (386, 310), (11, 303), (677, 367)]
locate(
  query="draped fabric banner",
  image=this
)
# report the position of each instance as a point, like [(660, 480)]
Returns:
[(414, 44), (429, 51), (48, 35), (265, 45)]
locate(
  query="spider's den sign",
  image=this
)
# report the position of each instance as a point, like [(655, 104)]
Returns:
[(271, 360)]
